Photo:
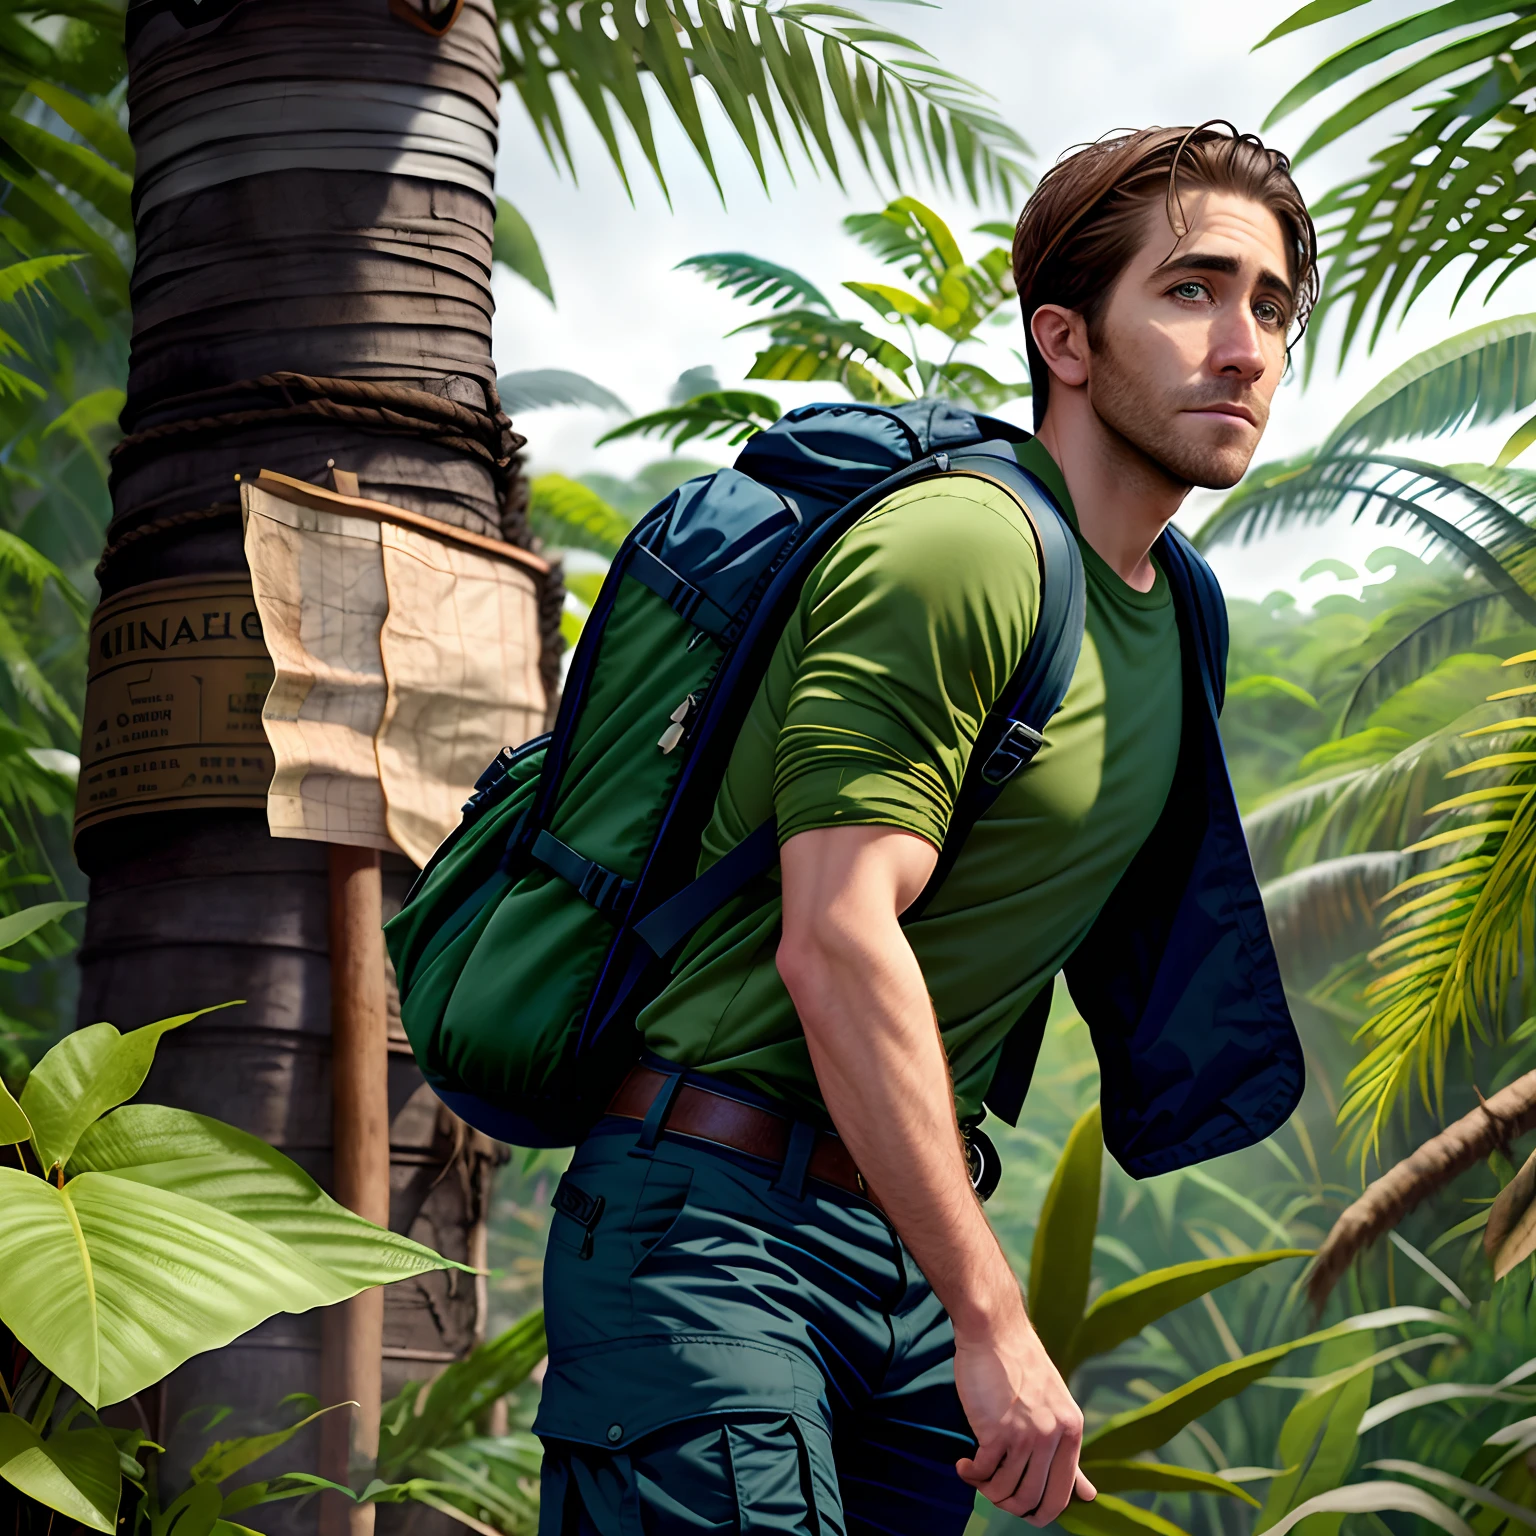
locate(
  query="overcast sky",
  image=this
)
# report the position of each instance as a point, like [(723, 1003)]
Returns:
[(1061, 73)]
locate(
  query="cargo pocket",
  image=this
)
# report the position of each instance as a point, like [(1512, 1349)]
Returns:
[(662, 1200), (775, 1480)]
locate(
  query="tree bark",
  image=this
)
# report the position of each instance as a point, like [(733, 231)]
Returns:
[(1496, 1122), (350, 245)]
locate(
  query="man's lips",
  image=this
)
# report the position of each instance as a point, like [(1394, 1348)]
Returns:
[(1226, 408)]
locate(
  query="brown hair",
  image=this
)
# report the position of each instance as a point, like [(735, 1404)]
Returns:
[(1083, 223)]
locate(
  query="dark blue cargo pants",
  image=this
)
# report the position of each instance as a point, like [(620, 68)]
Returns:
[(735, 1348)]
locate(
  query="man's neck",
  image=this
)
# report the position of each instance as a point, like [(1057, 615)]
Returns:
[(1122, 499)]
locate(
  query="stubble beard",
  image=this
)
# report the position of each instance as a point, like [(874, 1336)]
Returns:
[(1146, 418)]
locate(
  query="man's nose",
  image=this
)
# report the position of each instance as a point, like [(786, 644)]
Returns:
[(1237, 349)]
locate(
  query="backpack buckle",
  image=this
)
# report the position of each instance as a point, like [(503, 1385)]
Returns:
[(1014, 751), (604, 889)]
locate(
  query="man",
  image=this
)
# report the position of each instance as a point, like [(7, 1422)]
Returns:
[(776, 1352)]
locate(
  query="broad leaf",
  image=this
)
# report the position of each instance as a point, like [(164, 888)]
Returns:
[(86, 1074), (174, 1235), (1155, 1477), (72, 1471), (228, 1170), (1122, 1313), (14, 1125), (1061, 1263), (1460, 1486), (514, 246), (1109, 1516)]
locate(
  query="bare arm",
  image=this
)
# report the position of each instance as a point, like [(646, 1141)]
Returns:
[(880, 1064)]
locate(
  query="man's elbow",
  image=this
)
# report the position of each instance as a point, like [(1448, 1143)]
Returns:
[(808, 959)]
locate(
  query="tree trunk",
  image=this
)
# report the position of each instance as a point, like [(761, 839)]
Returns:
[(1496, 1122), (313, 213)]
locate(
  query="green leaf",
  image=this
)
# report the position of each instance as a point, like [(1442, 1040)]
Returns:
[(732, 414), (431, 1415), (1321, 1435), (1310, 15), (1061, 1263), (224, 1458), (174, 1235), (1470, 379), (755, 280), (1458, 1485), (569, 515), (20, 925), (1154, 1477), (14, 1125), (88, 414), (72, 1471), (1109, 1516), (30, 275), (242, 1177), (514, 246), (86, 1074), (1122, 1313), (1156, 1423), (92, 123), (76, 168)]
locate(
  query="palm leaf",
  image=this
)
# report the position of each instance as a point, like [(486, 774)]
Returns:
[(537, 389), (514, 245), (805, 346), (973, 386), (1447, 503), (1325, 914), (755, 280), (733, 414), (570, 515), (795, 64), (1473, 378), (77, 169), (1461, 627)]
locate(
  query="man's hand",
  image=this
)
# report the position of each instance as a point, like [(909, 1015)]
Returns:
[(1028, 1428), (879, 1061)]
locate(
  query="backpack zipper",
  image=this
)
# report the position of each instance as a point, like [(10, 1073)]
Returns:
[(675, 732)]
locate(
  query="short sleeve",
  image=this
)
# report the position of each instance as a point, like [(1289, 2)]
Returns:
[(912, 627)]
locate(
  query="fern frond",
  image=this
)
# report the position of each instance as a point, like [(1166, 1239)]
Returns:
[(755, 280)]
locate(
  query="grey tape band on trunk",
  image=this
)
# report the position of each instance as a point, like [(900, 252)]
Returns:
[(281, 125)]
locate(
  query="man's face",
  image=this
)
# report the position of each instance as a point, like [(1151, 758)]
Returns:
[(1192, 342)]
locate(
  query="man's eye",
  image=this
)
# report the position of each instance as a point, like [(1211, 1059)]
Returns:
[(1269, 313), (1190, 290)]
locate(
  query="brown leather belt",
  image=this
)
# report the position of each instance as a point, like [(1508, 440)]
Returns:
[(742, 1127)]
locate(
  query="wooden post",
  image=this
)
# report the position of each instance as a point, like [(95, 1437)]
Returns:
[(353, 1337)]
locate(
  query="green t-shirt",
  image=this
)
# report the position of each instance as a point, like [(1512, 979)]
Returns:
[(904, 636)]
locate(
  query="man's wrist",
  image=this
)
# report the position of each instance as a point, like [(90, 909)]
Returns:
[(990, 1307)]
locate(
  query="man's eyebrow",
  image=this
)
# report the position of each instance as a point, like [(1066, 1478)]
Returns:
[(1211, 261)]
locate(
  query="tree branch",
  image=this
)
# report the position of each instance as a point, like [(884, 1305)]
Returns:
[(1494, 1123)]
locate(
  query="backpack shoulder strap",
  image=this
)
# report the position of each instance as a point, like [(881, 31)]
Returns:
[(1014, 729), (1010, 735)]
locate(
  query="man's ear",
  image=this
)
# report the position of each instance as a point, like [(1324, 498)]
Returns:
[(1061, 335)]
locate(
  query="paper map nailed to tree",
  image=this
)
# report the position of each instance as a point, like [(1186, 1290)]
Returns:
[(178, 672), (406, 656)]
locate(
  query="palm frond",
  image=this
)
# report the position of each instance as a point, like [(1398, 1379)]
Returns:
[(1461, 627), (1273, 827), (1476, 377), (537, 389), (569, 515), (1325, 914), (1450, 504), (972, 385), (908, 235), (793, 68), (515, 246), (804, 346), (77, 169), (732, 414), (755, 280), (1455, 186)]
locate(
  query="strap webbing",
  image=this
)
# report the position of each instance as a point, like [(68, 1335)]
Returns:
[(665, 928), (684, 598), (602, 888)]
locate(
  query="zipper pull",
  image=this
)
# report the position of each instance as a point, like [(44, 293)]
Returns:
[(675, 732)]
